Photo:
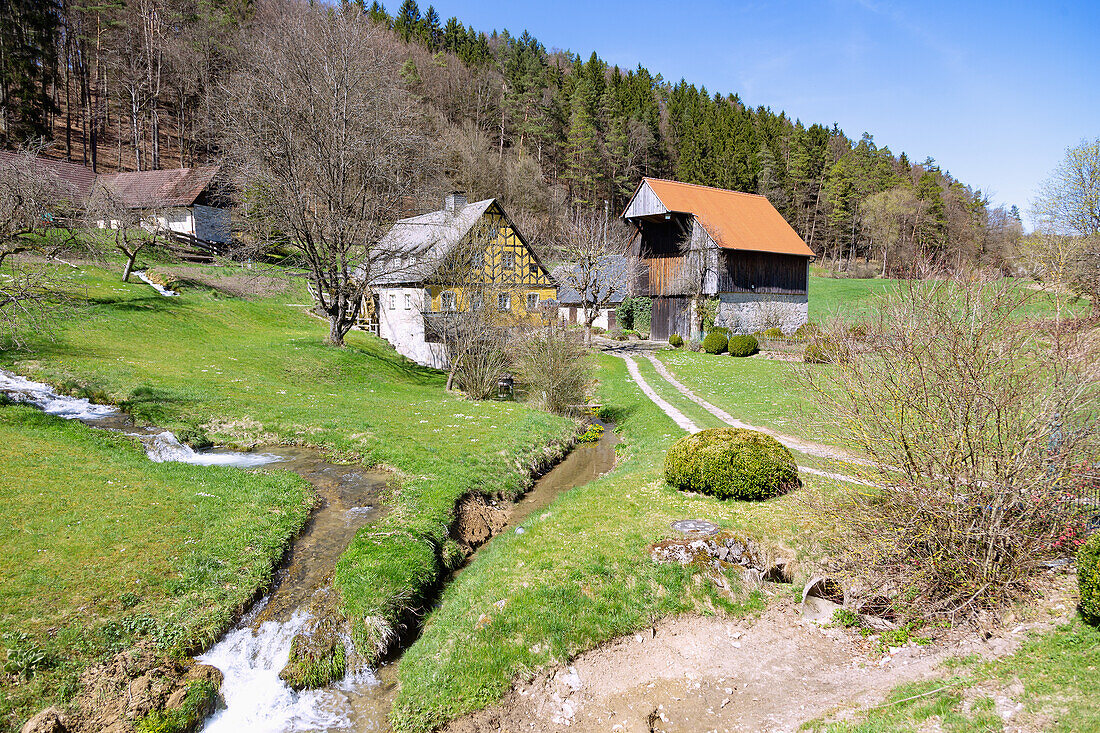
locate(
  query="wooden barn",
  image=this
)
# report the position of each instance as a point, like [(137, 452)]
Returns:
[(698, 243)]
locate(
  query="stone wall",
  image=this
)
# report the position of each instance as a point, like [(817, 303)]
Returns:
[(753, 312)]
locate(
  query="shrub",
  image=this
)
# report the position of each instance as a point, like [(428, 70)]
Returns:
[(720, 329), (774, 333), (955, 363), (694, 345), (815, 354), (1088, 578), (743, 346), (598, 331), (715, 342), (806, 330), (555, 368), (731, 463), (676, 340)]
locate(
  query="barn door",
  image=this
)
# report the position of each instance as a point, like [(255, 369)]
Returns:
[(669, 316)]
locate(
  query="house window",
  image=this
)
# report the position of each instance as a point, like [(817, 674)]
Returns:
[(447, 301), (504, 301), (477, 301), (479, 260), (532, 301), (508, 260), (393, 302), (408, 301), (533, 269)]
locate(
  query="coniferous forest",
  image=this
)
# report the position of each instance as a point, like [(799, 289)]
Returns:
[(125, 85)]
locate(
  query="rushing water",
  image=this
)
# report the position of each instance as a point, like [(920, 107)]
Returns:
[(160, 445), (251, 655)]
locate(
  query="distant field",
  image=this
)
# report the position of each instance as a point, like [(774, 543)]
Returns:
[(853, 299), (101, 544)]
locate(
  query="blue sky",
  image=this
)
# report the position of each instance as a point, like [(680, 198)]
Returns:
[(995, 92)]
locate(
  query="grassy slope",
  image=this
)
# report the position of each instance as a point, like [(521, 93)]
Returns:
[(239, 371), (101, 543), (578, 575)]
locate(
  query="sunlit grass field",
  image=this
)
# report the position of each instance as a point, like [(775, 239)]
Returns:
[(101, 545)]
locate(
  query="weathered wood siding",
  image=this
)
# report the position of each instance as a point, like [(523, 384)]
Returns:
[(762, 272), (644, 203), (669, 316)]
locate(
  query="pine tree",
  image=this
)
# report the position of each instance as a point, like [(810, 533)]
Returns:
[(407, 20)]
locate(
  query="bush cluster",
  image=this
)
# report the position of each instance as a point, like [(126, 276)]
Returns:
[(1088, 578), (676, 340), (715, 342), (743, 345), (773, 333), (731, 463), (815, 354), (634, 313)]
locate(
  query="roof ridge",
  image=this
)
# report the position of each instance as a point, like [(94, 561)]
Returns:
[(409, 219), (699, 185)]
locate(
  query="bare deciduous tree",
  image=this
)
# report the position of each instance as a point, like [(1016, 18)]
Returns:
[(1069, 200), (599, 267), (130, 230), (470, 323), (975, 425), (554, 367), (325, 143)]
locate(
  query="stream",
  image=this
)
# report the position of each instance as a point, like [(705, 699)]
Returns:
[(253, 652)]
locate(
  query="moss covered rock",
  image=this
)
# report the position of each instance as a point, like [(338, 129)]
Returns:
[(1088, 578), (731, 463)]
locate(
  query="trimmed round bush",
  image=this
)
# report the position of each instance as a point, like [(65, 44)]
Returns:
[(731, 463), (715, 342), (774, 333), (676, 340), (1088, 578), (743, 345)]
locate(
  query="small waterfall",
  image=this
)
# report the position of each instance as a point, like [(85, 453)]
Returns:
[(258, 701), (157, 286), (160, 447)]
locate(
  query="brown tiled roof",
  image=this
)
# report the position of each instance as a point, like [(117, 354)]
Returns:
[(75, 178), (137, 189), (734, 220), (152, 189)]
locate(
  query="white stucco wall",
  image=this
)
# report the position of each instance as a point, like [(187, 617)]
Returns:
[(403, 326), (177, 220), (602, 317), (753, 312)]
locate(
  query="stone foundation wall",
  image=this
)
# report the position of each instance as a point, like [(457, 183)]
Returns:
[(753, 312)]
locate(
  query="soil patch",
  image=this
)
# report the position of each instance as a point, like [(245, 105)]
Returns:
[(234, 281), (717, 674)]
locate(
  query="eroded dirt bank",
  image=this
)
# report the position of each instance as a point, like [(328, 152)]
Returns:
[(692, 674)]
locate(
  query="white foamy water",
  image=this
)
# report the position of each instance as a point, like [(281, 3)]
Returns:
[(41, 396), (160, 447), (257, 700), (156, 286)]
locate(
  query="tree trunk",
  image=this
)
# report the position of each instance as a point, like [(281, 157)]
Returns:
[(130, 258)]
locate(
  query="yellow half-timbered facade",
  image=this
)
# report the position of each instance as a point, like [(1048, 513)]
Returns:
[(445, 263)]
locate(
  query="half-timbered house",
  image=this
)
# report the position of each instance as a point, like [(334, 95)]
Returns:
[(697, 242), (416, 281)]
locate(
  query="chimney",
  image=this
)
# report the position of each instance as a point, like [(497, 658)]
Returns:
[(454, 202)]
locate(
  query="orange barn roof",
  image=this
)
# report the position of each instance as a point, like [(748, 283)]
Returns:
[(734, 220)]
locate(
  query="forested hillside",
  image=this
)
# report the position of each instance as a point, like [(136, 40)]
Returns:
[(137, 85)]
